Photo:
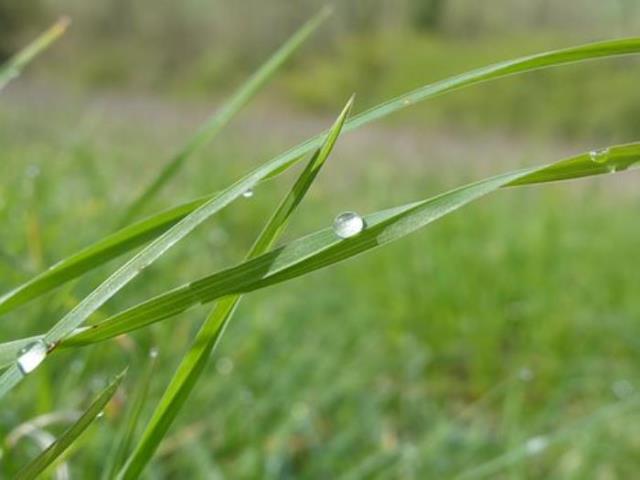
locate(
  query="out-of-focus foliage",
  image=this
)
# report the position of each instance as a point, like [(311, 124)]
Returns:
[(204, 48), (17, 18)]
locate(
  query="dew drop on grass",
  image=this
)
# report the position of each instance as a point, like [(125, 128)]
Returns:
[(100, 415), (31, 356), (248, 193), (348, 224), (599, 156), (154, 352)]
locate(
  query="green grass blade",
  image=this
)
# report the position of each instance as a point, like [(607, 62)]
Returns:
[(48, 456), (16, 64), (126, 240), (211, 331), (221, 118), (99, 253), (123, 446), (324, 248)]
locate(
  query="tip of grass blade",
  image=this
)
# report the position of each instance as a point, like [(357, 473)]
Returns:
[(63, 23), (350, 102), (326, 11)]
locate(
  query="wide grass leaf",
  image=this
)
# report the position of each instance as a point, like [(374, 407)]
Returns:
[(144, 231), (212, 329), (57, 448), (324, 247)]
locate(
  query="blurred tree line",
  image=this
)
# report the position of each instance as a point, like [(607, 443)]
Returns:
[(254, 26), (151, 43)]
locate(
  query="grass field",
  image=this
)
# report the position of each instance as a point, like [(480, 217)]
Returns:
[(501, 342)]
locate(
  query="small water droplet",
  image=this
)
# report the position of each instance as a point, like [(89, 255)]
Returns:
[(154, 352), (248, 193), (407, 101), (224, 366), (536, 445), (599, 156), (348, 224), (100, 415), (31, 356)]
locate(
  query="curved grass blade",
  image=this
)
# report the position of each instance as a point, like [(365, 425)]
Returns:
[(212, 329), (48, 456), (221, 118), (324, 248), (14, 66), (126, 240)]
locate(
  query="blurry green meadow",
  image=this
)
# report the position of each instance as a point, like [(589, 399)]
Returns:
[(500, 342)]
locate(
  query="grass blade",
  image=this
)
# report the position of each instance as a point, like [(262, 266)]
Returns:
[(142, 232), (123, 445), (324, 248), (99, 253), (221, 118), (211, 331), (16, 64), (48, 456)]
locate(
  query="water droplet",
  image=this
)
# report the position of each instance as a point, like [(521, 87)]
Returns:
[(31, 356), (536, 445), (407, 101), (348, 224), (154, 352), (224, 366), (622, 388), (248, 193), (100, 415), (599, 156)]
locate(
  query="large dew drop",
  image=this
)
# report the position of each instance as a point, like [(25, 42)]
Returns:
[(31, 356), (348, 224)]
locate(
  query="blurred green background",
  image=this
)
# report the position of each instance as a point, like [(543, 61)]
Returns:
[(501, 342)]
